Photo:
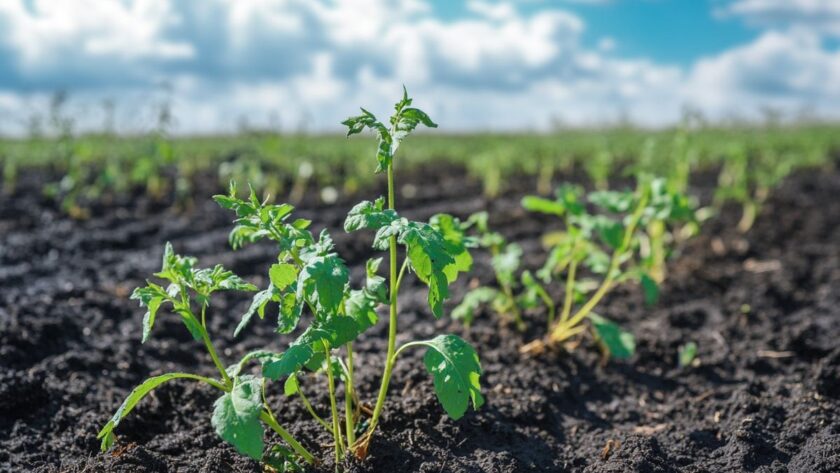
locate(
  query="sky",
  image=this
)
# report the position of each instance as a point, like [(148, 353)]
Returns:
[(474, 65)]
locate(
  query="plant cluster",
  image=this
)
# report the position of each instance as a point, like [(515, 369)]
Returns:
[(627, 238), (311, 282)]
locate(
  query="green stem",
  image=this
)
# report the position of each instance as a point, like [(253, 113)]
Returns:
[(560, 331), (392, 321), (269, 419), (570, 291), (339, 440), (212, 350), (311, 410), (349, 387), (210, 381)]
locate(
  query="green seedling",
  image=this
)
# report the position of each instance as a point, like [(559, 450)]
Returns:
[(239, 414), (309, 276), (595, 252), (505, 260), (687, 354), (612, 246), (748, 177), (436, 252)]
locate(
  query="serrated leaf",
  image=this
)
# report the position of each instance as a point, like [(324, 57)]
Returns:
[(375, 286), (261, 299), (361, 307), (619, 344), (456, 370), (322, 281), (151, 297), (335, 330), (106, 434), (289, 313), (369, 215), (236, 417), (394, 229), (282, 275), (428, 255)]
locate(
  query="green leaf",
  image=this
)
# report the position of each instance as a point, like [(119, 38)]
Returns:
[(195, 328), (542, 205), (322, 281), (613, 201), (687, 354), (456, 370), (335, 330), (619, 344), (430, 259), (534, 293), (650, 289), (465, 311), (290, 311), (291, 386), (138, 393), (610, 231), (394, 229), (282, 275), (261, 299), (151, 297), (369, 215), (236, 417), (403, 122), (360, 306), (375, 286), (291, 361), (456, 244)]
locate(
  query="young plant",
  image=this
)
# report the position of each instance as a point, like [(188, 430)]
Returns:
[(611, 245), (310, 276), (747, 179), (505, 261), (241, 410), (436, 252)]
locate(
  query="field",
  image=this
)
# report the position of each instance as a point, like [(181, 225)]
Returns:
[(84, 220)]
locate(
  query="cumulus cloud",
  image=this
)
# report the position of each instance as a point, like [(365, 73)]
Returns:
[(785, 71), (814, 15), (310, 62)]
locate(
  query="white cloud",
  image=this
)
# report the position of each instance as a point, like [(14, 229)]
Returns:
[(814, 15), (787, 71), (315, 61)]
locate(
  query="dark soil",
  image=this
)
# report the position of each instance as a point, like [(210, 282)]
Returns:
[(764, 309)]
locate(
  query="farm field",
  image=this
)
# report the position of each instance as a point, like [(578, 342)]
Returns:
[(759, 304)]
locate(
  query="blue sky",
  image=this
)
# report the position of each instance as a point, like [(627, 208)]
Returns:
[(475, 64)]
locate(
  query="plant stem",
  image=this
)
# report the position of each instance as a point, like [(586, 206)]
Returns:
[(349, 387), (311, 410), (269, 419), (392, 321), (339, 440), (570, 291), (561, 331), (210, 349)]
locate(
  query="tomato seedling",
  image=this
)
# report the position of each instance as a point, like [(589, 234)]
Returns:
[(436, 252), (310, 276), (239, 413), (615, 245)]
